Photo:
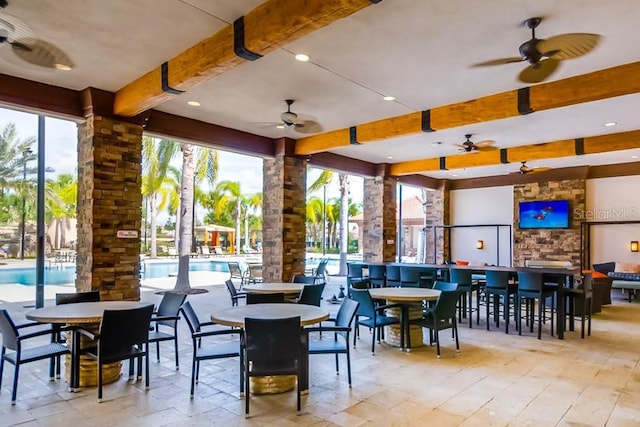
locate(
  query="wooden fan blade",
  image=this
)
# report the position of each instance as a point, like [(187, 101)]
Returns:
[(486, 148), (484, 143), (568, 46), (307, 126), (536, 170), (498, 62), (42, 53), (540, 71)]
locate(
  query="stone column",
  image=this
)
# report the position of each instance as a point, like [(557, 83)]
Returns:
[(379, 220), (283, 214), (109, 199), (437, 214)]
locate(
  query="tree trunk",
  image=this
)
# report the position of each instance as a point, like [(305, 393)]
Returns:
[(238, 220), (186, 218), (246, 229), (344, 222), (153, 219)]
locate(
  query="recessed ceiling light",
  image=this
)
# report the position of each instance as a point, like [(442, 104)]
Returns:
[(389, 157), (280, 126), (62, 67), (302, 57), (193, 103), (436, 143), (389, 98), (455, 174), (635, 156), (609, 124)]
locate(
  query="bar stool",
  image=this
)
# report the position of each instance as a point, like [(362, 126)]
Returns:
[(532, 288), (497, 285), (466, 287)]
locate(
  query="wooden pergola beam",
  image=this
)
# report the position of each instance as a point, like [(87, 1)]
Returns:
[(603, 84), (563, 148), (262, 30)]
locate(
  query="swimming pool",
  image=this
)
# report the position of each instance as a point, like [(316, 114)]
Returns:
[(150, 270)]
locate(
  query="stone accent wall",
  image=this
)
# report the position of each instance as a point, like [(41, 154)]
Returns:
[(437, 214), (379, 220), (549, 244), (283, 218), (109, 199)]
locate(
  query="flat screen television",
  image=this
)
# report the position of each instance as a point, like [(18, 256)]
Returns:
[(544, 214)]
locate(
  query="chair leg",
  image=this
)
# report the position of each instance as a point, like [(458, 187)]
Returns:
[(146, 368), (298, 393), (14, 389), (506, 313), (541, 311), (437, 334), (348, 366), (487, 309), (470, 309), (158, 351), (455, 330), (246, 389), (590, 314), (193, 376), (478, 306), (99, 381), (175, 344)]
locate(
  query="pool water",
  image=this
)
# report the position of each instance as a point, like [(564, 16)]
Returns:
[(150, 270)]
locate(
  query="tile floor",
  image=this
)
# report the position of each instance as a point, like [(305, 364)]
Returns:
[(495, 380)]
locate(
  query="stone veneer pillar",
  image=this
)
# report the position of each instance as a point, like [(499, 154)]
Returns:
[(109, 199), (379, 224), (437, 214), (283, 215), (549, 244)]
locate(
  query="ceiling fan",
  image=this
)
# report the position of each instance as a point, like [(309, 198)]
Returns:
[(25, 45), (291, 120), (524, 169), (544, 55), (469, 146)]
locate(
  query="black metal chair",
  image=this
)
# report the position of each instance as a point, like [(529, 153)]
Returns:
[(272, 347), (374, 319), (236, 272), (301, 278), (377, 273), (532, 288), (265, 298), (116, 343), (165, 322), (582, 295), (393, 275), (234, 293), (321, 271), (71, 298), (442, 316), (498, 286), (311, 295), (13, 340), (341, 328), (218, 350), (466, 287)]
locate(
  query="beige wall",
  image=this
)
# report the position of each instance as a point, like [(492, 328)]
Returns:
[(613, 199), (492, 205)]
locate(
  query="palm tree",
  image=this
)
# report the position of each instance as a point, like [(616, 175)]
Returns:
[(206, 171), (61, 205), (156, 158), (252, 205), (185, 219), (344, 221), (231, 195), (13, 159), (325, 178), (315, 209)]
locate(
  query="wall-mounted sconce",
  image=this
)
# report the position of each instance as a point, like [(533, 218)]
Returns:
[(634, 246), (480, 244)]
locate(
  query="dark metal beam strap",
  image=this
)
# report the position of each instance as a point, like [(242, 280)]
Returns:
[(579, 146), (426, 121), (443, 163), (165, 80), (375, 1), (524, 105), (503, 156), (238, 42), (353, 136)]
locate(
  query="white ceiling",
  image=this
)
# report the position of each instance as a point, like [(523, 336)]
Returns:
[(418, 51)]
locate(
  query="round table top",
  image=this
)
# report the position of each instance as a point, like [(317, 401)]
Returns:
[(405, 294), (273, 288), (234, 316), (82, 312)]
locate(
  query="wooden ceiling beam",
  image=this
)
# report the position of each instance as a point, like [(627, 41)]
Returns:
[(549, 150), (262, 30), (603, 84)]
